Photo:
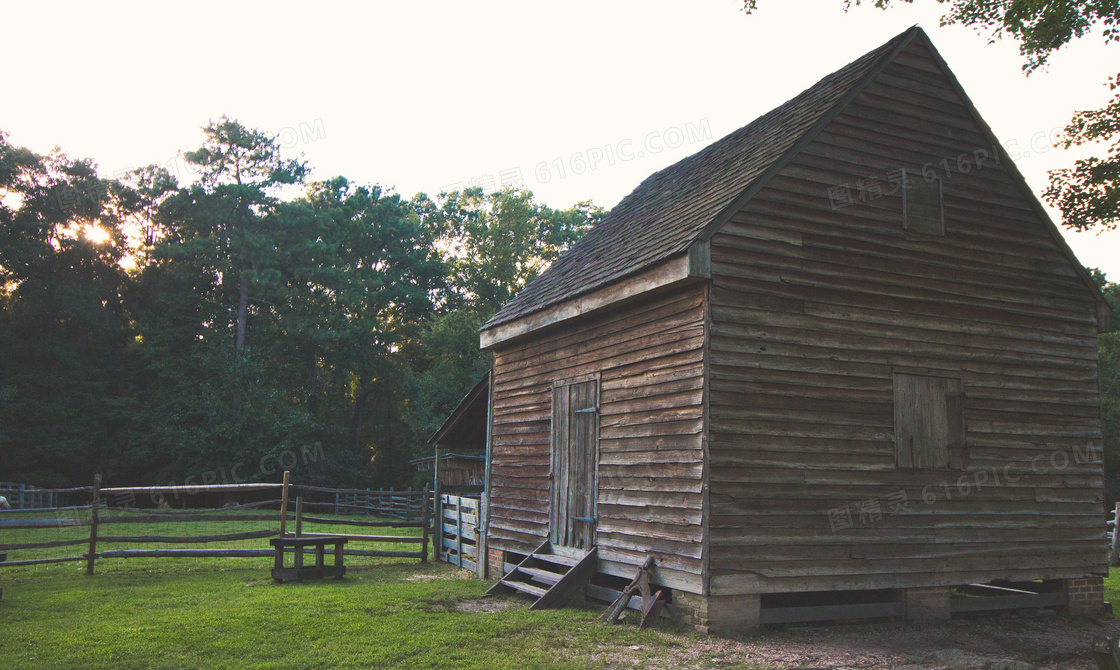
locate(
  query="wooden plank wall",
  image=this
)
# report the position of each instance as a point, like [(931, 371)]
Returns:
[(650, 358), (815, 308)]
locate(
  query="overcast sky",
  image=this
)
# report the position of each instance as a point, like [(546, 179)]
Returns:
[(578, 100)]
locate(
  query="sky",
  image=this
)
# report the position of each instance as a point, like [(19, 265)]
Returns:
[(578, 100)]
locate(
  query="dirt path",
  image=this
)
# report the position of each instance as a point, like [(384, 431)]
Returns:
[(1012, 642)]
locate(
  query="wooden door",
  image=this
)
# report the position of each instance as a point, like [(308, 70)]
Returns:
[(575, 460)]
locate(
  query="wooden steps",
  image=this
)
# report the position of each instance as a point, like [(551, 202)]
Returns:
[(542, 575), (526, 587), (548, 576), (556, 559)]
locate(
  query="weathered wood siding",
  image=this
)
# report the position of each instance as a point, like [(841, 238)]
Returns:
[(816, 307), (650, 358)]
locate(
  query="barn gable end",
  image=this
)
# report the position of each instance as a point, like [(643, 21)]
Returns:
[(840, 349), (829, 312)]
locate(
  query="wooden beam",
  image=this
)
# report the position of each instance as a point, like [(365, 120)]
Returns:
[(989, 603), (775, 615), (690, 266)]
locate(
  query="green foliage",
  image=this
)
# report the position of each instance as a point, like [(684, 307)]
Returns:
[(240, 171), (234, 154), (1111, 292), (499, 242), (494, 245), (449, 364), (1089, 193), (160, 331), (1040, 26), (65, 373)]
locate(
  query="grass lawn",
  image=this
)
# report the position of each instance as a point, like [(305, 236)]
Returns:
[(400, 615), (227, 613), (1112, 591)]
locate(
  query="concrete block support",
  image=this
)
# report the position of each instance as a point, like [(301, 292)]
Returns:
[(927, 604), (717, 614)]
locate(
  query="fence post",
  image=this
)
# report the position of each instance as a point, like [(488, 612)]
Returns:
[(424, 518), (299, 515), (481, 549), (94, 513), (284, 505)]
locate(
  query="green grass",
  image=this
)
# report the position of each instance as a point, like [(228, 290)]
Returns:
[(172, 528), (1112, 591), (227, 613), (399, 615)]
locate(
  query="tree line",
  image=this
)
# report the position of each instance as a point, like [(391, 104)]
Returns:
[(160, 332), (157, 332)]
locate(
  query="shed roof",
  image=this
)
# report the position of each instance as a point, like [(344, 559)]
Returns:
[(467, 422), (672, 208)]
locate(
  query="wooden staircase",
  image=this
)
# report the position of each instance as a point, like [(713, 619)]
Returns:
[(551, 576)]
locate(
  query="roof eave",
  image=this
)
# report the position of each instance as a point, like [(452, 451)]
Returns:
[(690, 266)]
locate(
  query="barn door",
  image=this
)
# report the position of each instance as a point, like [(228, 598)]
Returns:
[(575, 457)]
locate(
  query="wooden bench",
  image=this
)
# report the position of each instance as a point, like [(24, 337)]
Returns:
[(299, 570)]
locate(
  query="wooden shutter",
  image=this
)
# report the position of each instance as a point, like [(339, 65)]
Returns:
[(928, 422)]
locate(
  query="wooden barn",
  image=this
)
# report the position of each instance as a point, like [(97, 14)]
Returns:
[(839, 363)]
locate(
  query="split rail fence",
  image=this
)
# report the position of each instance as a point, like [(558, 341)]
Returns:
[(296, 506), (25, 496)]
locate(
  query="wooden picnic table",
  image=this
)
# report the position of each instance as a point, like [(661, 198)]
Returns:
[(300, 571)]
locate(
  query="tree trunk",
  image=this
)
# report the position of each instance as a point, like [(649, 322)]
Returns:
[(242, 309), (358, 420)]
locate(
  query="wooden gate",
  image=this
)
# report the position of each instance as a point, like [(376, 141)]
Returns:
[(575, 459), (458, 531)]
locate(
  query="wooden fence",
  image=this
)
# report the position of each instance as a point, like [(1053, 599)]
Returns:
[(457, 531), (25, 496), (102, 520), (404, 505)]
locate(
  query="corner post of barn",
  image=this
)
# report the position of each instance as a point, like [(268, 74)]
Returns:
[(482, 527)]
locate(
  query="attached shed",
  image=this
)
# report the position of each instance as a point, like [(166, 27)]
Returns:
[(459, 474), (838, 358)]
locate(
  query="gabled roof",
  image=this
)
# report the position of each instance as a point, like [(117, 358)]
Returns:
[(673, 212), (670, 210)]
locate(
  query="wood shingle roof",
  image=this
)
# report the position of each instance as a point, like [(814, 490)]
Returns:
[(674, 207)]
